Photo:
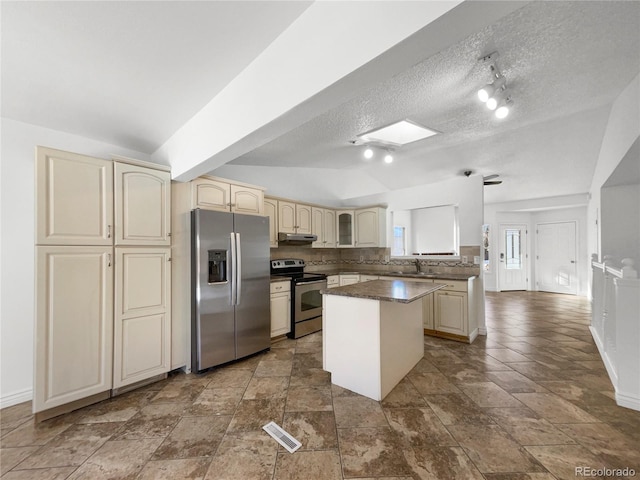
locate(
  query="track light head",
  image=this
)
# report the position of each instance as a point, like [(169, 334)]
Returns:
[(503, 108), (368, 153), (490, 89)]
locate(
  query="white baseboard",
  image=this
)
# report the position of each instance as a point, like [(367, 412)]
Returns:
[(482, 330), (628, 401), (16, 398), (473, 335)]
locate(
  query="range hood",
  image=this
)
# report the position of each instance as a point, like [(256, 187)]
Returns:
[(296, 238)]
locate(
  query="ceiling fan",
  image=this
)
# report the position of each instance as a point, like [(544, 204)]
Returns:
[(488, 179)]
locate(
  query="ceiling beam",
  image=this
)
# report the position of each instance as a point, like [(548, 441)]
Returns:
[(328, 55)]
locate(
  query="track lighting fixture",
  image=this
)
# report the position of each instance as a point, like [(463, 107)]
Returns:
[(370, 151), (494, 95)]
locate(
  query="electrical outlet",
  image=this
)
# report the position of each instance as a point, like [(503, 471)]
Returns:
[(476, 260), (361, 259), (464, 259), (386, 259)]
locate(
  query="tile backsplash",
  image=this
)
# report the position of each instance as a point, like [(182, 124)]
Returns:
[(375, 259)]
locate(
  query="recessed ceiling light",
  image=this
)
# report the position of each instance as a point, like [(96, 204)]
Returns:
[(398, 134)]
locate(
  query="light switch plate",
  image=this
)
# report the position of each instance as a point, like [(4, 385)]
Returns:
[(476, 260), (464, 259)]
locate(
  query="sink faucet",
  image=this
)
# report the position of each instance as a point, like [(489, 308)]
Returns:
[(418, 266)]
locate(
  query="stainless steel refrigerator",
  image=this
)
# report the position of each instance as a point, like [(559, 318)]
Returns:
[(230, 310)]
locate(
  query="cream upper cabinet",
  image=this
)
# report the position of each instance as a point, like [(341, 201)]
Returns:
[(370, 225), (303, 219), (330, 237), (142, 205), (317, 226), (294, 217), (74, 324), (212, 193), (271, 211), (286, 217), (142, 320), (247, 200), (74, 199), (345, 227), (323, 222)]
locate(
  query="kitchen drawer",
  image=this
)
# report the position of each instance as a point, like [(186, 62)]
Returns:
[(453, 285), (333, 281), (366, 278), (279, 287)]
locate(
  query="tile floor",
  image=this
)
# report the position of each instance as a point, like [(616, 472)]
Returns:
[(529, 401)]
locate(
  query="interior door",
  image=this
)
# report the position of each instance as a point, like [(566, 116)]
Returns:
[(556, 257), (513, 257)]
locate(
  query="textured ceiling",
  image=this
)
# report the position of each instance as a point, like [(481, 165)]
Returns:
[(131, 73), (565, 62)]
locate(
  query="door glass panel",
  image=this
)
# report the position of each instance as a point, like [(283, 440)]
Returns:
[(310, 300), (512, 247)]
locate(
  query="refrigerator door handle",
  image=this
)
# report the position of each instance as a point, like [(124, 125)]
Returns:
[(234, 270), (238, 269)]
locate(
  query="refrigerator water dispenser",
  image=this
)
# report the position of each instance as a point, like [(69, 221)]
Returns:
[(217, 266)]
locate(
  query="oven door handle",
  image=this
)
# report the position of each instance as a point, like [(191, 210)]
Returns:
[(311, 282)]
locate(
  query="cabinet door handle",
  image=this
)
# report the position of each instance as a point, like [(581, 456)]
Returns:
[(108, 231), (169, 234), (108, 259)]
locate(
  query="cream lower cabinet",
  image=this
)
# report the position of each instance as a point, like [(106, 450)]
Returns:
[(280, 308), (142, 320), (451, 312), (349, 279), (74, 325), (333, 281), (427, 312)]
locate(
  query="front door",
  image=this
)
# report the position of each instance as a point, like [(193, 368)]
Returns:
[(512, 266), (556, 257)]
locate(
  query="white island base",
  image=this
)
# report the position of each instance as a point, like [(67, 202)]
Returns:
[(370, 345)]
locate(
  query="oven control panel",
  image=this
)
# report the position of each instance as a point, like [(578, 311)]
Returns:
[(287, 263)]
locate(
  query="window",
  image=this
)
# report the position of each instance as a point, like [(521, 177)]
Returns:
[(512, 245), (399, 241)]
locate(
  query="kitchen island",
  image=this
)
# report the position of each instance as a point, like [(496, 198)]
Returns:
[(372, 333)]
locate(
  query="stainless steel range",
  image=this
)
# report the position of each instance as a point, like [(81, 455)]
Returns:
[(306, 304)]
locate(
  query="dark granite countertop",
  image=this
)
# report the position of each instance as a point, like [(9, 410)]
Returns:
[(430, 276), (400, 291)]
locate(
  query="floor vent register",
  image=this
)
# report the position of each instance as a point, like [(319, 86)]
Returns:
[(283, 438)]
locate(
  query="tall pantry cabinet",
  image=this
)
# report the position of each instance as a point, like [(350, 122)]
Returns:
[(102, 278)]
